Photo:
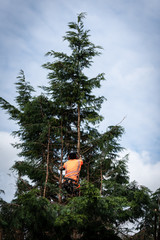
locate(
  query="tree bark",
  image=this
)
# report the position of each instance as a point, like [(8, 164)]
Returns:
[(101, 179), (60, 177), (19, 235), (88, 172), (78, 131), (155, 224), (47, 164)]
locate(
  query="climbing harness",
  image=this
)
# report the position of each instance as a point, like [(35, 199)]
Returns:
[(71, 186)]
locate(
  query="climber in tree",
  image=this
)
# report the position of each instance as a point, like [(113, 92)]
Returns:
[(72, 170)]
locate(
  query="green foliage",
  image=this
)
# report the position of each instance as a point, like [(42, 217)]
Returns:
[(89, 214), (24, 90), (69, 86), (31, 214)]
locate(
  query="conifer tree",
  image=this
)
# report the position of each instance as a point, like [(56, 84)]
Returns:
[(38, 133), (69, 87)]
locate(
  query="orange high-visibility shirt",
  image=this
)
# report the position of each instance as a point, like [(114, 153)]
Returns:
[(72, 168)]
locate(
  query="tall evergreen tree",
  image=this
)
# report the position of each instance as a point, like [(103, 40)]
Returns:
[(69, 87)]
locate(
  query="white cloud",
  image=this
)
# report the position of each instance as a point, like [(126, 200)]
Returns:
[(133, 91), (142, 170), (8, 185), (8, 155)]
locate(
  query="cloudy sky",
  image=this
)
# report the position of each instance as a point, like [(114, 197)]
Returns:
[(128, 31)]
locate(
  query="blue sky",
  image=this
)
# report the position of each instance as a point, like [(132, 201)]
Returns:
[(128, 31)]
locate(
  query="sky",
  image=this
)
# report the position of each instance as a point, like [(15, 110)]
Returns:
[(129, 32)]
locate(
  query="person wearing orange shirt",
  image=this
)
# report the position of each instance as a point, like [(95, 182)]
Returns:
[(72, 169)]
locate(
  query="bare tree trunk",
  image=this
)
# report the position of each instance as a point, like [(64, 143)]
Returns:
[(47, 166), (155, 224), (88, 172), (19, 235), (78, 130), (60, 177), (101, 179)]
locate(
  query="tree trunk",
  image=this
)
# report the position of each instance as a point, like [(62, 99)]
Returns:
[(88, 172), (78, 131), (155, 224), (101, 179), (47, 164), (19, 235), (60, 177)]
